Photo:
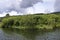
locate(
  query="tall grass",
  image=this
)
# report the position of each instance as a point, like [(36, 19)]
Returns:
[(44, 21)]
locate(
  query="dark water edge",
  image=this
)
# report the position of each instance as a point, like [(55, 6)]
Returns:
[(29, 34)]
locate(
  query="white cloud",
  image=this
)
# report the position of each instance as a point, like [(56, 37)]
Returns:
[(46, 6), (13, 6), (3, 14), (14, 13)]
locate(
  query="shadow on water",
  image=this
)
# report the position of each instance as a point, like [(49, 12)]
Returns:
[(29, 34)]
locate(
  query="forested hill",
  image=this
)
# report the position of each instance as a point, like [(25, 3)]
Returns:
[(39, 21)]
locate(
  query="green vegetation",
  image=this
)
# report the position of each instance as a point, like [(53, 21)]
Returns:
[(38, 21), (7, 15)]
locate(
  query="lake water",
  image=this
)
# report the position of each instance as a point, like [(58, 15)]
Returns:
[(16, 34)]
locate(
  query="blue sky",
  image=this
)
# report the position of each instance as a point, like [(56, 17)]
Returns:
[(17, 7)]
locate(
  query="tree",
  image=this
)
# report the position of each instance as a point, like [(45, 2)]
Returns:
[(7, 15)]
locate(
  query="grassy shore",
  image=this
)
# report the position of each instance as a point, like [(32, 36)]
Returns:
[(38, 21)]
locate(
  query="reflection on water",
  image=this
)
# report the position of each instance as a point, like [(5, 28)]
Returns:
[(16, 34)]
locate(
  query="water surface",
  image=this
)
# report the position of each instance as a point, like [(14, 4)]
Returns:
[(16, 34)]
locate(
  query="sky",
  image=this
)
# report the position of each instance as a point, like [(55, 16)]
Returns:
[(57, 6), (22, 7)]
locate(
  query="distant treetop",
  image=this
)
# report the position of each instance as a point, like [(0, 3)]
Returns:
[(7, 15)]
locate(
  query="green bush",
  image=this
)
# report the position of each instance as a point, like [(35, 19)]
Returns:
[(32, 21)]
